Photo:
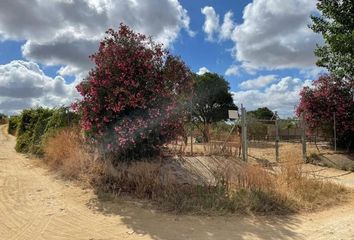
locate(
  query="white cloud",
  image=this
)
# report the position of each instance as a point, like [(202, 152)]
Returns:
[(257, 83), (65, 32), (212, 27), (23, 85), (227, 27), (232, 71), (211, 24), (282, 96), (68, 71), (275, 34), (314, 72), (202, 70)]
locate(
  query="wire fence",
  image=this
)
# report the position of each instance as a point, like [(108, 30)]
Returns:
[(220, 142), (262, 140)]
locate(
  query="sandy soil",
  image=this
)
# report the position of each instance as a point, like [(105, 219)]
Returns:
[(34, 204), (265, 151)]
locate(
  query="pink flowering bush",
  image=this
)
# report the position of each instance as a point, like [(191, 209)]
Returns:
[(326, 96), (133, 99)]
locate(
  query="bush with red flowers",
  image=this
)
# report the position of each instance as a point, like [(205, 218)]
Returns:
[(132, 100), (328, 95)]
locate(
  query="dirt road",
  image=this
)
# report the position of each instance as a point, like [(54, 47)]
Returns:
[(34, 204)]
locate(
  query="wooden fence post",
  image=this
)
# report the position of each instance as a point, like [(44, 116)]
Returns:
[(244, 134), (276, 138), (334, 132)]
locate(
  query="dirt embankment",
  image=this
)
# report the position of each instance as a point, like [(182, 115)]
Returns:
[(34, 204)]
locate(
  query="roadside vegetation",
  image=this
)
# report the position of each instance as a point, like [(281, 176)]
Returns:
[(236, 187), (135, 101), (33, 126), (330, 98), (13, 124), (3, 118)]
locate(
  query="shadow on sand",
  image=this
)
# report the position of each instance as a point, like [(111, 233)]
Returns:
[(158, 225)]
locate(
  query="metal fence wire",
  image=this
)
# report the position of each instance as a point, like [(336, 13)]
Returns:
[(224, 139), (262, 140)]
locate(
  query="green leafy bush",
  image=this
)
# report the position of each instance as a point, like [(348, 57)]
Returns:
[(13, 124), (35, 125), (60, 118), (31, 127)]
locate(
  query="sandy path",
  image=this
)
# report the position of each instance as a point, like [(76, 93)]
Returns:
[(36, 205)]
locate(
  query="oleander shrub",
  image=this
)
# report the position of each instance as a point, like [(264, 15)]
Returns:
[(132, 100), (330, 98)]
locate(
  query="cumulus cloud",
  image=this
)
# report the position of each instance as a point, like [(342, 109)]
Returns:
[(314, 72), (257, 83), (211, 24), (281, 96), (65, 32), (227, 27), (275, 34), (212, 27), (23, 84), (202, 70), (72, 53), (232, 71)]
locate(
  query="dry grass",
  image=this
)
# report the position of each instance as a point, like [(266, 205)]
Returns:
[(266, 150), (215, 148), (307, 192), (240, 188), (65, 152)]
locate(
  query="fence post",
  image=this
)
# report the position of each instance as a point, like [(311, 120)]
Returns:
[(192, 127), (244, 134), (334, 132), (191, 136), (276, 138), (303, 137)]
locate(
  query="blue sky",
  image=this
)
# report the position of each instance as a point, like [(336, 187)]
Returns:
[(262, 47), (216, 56)]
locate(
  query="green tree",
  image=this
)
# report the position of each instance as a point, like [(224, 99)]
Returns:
[(263, 113), (336, 24), (211, 101)]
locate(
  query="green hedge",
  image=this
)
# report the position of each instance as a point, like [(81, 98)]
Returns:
[(35, 125), (13, 124)]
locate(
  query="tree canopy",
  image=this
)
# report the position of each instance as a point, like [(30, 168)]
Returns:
[(211, 100), (263, 113), (336, 24)]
